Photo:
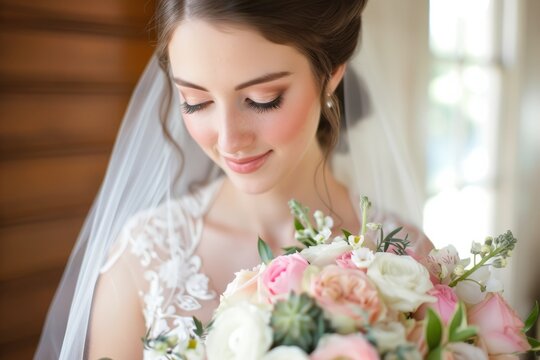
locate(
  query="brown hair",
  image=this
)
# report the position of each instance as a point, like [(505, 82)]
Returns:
[(325, 31)]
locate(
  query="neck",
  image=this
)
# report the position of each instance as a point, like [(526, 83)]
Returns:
[(268, 215)]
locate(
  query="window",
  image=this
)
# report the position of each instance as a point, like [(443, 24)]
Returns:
[(463, 120)]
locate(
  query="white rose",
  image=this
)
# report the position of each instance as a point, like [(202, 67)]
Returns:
[(325, 254), (388, 336), (239, 332), (401, 280), (286, 353)]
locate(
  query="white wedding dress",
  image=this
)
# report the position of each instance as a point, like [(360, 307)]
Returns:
[(162, 260)]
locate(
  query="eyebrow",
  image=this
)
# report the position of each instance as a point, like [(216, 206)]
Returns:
[(259, 80)]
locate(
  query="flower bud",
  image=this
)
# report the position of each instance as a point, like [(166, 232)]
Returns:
[(485, 249), (476, 248), (500, 263), (459, 270), (374, 226), (488, 241)]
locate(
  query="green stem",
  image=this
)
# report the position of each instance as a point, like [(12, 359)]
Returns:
[(482, 287), (475, 267), (380, 241), (365, 206)]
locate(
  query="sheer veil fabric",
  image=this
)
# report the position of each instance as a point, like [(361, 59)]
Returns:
[(144, 172)]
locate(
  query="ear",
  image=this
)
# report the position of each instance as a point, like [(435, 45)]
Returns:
[(335, 79)]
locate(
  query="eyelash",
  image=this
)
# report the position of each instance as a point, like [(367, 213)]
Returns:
[(259, 107), (190, 109), (264, 107)]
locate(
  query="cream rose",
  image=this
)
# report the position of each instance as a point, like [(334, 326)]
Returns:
[(325, 254), (286, 353), (243, 287), (388, 336), (240, 332), (401, 280)]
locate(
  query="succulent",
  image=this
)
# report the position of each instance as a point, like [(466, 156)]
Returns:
[(298, 321)]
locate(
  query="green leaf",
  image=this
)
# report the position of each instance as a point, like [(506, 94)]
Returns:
[(298, 225), (321, 329), (264, 251), (434, 330), (291, 250), (531, 319), (346, 234), (462, 335), (199, 328), (457, 319), (435, 354), (394, 232), (535, 344)]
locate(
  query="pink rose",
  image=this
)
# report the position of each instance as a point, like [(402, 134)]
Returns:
[(347, 296), (345, 261), (351, 347), (499, 327), (445, 306), (284, 274)]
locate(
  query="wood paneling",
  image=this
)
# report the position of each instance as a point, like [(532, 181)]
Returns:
[(120, 11), (67, 69), (45, 123), (24, 303), (51, 239), (43, 187), (35, 56)]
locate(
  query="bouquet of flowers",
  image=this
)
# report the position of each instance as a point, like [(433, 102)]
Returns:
[(345, 298)]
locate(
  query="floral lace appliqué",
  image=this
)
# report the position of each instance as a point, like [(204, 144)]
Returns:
[(164, 240)]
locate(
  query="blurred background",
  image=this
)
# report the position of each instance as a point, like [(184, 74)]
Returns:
[(463, 82)]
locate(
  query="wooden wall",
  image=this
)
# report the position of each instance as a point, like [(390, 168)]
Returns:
[(67, 69)]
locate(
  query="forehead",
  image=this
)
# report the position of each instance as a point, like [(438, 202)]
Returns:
[(204, 53)]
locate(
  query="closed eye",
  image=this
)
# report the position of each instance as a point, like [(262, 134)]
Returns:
[(190, 109), (267, 106)]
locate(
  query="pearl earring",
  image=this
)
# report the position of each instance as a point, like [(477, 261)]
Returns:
[(329, 103)]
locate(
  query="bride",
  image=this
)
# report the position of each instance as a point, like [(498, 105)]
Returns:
[(242, 115)]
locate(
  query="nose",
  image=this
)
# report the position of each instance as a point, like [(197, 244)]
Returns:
[(235, 133)]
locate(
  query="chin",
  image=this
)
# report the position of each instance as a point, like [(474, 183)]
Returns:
[(252, 184)]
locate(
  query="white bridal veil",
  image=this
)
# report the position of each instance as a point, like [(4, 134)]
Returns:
[(146, 169)]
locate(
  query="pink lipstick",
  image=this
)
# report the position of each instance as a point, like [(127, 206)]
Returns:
[(248, 164)]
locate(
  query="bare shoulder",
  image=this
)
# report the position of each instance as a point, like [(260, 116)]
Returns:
[(116, 321)]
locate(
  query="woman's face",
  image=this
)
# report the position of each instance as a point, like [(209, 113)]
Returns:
[(251, 105)]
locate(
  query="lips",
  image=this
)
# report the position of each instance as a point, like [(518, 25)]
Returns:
[(248, 164)]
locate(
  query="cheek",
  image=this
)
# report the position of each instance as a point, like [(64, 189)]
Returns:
[(203, 135), (300, 119)]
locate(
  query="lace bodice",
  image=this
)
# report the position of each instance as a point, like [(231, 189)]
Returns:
[(161, 244)]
